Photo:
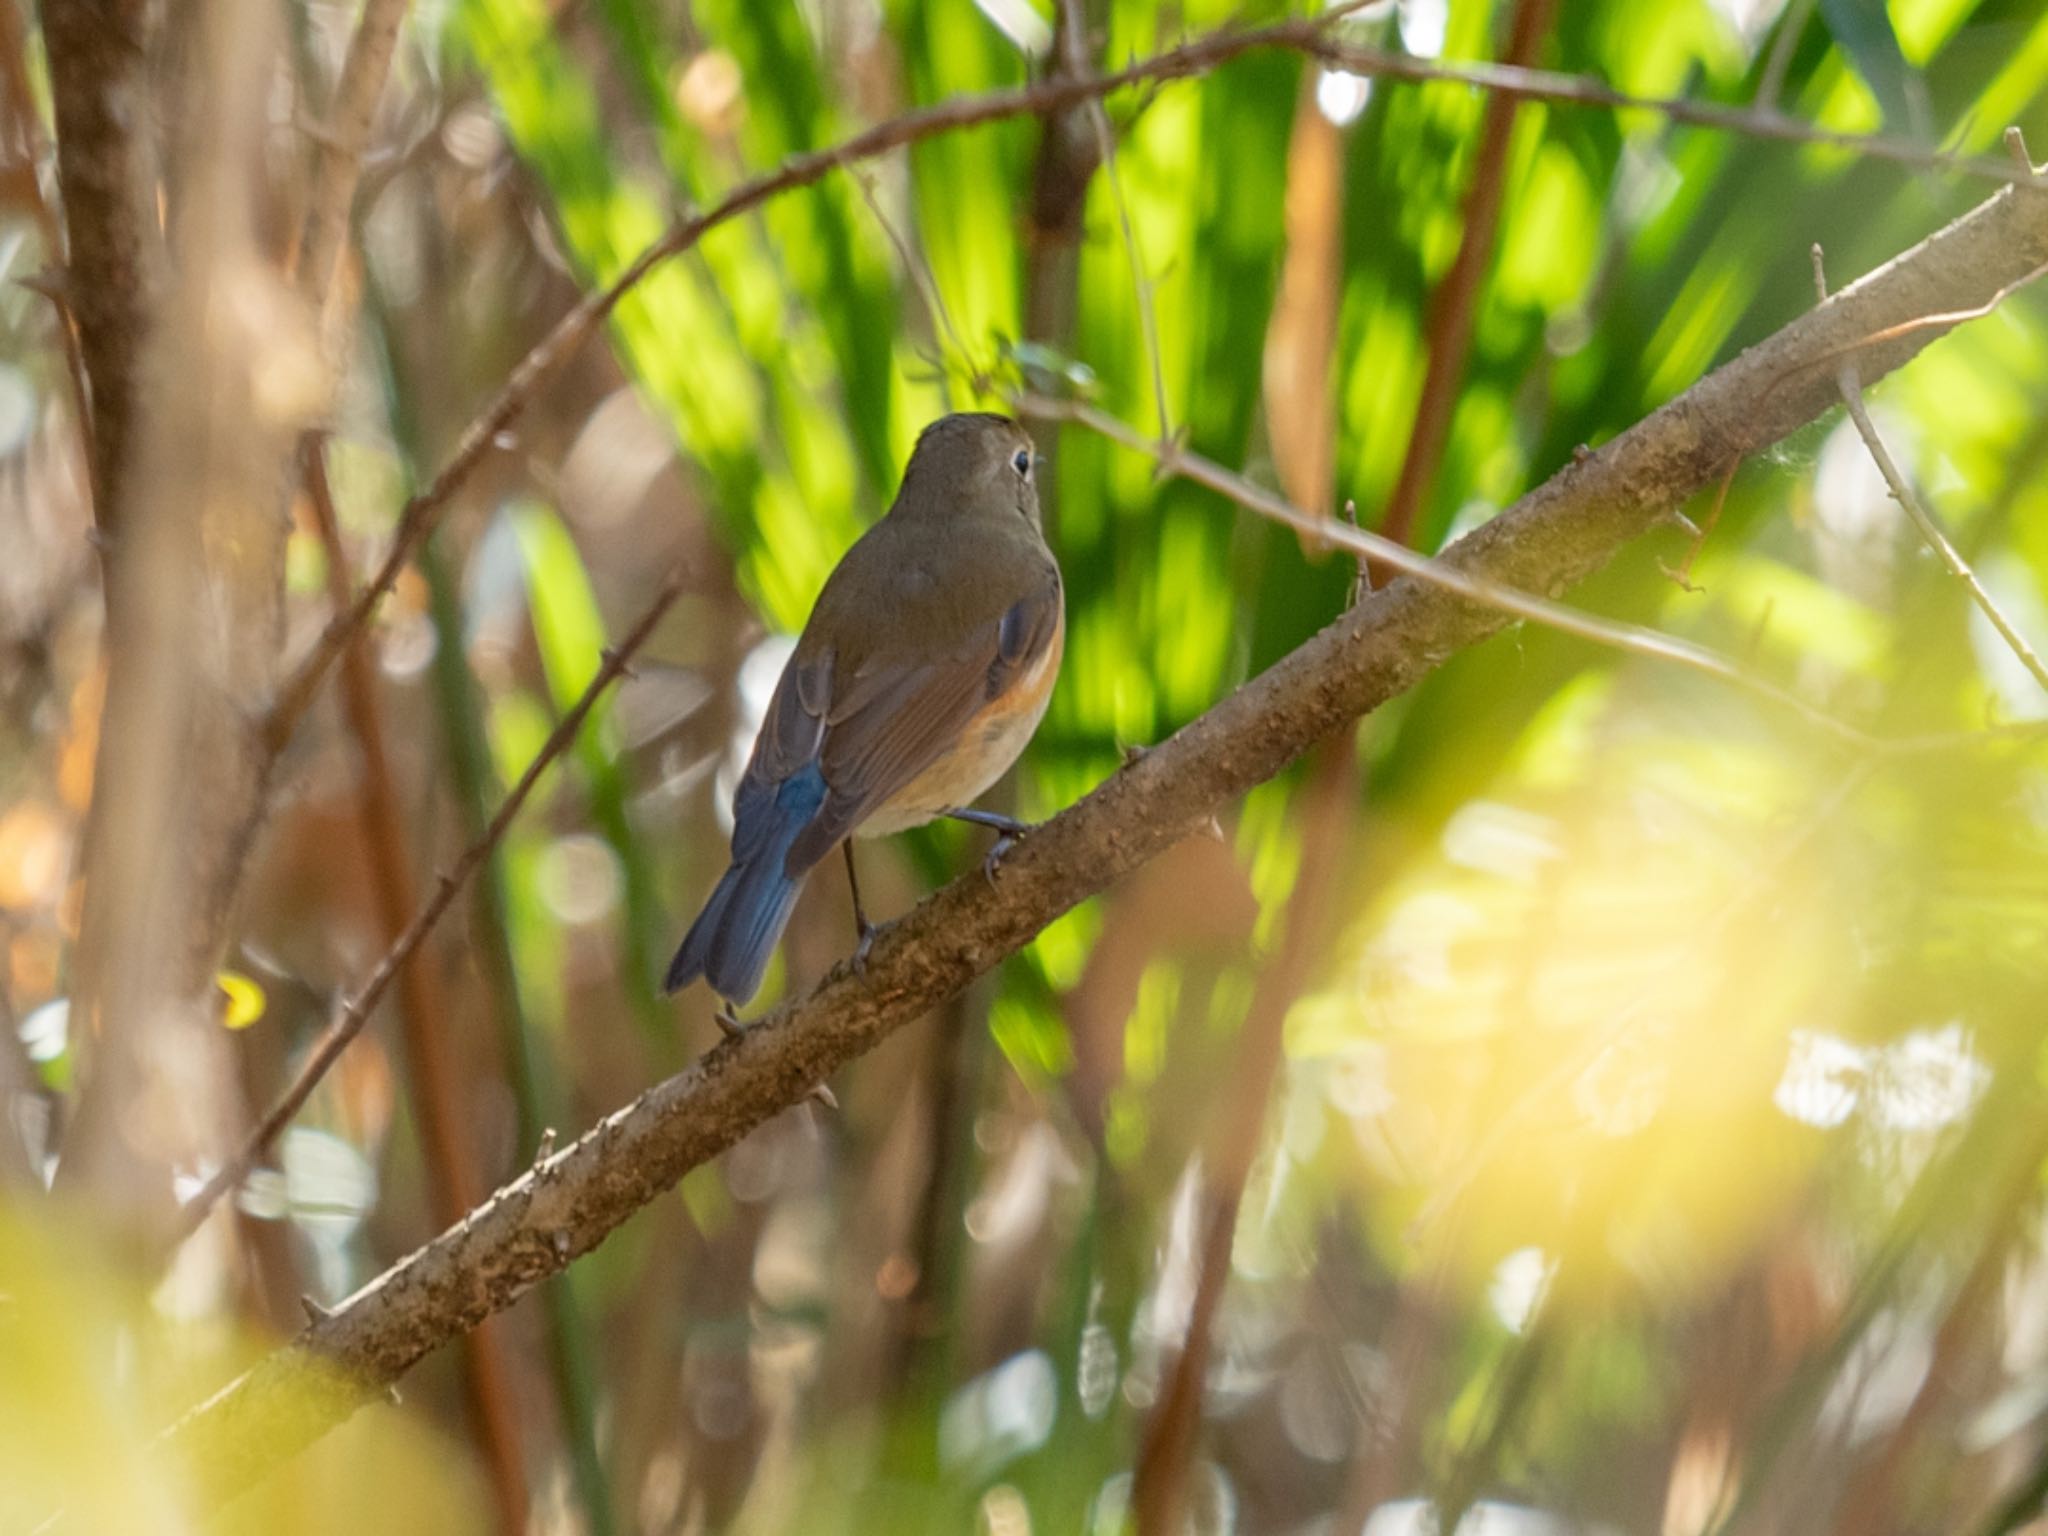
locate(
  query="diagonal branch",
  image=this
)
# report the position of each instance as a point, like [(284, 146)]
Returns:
[(1554, 536)]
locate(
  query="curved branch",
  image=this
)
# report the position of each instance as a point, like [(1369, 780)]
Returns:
[(1554, 536)]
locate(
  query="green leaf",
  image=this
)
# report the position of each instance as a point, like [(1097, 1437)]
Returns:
[(1863, 30)]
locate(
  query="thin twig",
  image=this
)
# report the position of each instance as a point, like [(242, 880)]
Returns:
[(569, 333), (1141, 280), (1633, 638), (348, 1023), (1923, 518), (1310, 35), (926, 286), (1583, 91), (1948, 319)]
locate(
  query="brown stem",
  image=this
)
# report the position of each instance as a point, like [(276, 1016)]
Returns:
[(106, 172), (1455, 304), (453, 1181), (1554, 536)]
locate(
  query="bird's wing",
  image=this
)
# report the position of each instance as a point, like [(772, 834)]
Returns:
[(791, 733), (895, 716)]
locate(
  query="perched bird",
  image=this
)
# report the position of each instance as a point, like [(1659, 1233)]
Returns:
[(924, 669)]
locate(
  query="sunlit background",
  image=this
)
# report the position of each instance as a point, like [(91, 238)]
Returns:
[(1657, 1142)]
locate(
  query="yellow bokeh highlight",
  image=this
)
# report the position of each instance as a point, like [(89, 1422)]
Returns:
[(93, 1374), (1576, 1003)]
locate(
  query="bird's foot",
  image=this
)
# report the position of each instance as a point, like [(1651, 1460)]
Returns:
[(998, 850), (727, 1018), (864, 943), (1009, 832)]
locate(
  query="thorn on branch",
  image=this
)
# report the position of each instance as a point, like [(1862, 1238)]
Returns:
[(822, 1094), (2016, 146), (315, 1312), (545, 1147), (1361, 579)]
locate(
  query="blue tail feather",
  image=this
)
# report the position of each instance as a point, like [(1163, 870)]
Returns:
[(737, 931)]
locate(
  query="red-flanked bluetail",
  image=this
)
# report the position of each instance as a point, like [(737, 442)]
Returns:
[(924, 670)]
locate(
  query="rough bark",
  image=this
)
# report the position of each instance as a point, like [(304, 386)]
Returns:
[(106, 171)]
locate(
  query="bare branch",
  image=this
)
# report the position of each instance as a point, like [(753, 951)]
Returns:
[(1552, 537), (1583, 91), (346, 134)]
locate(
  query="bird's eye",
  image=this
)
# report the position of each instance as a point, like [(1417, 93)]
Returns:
[(1021, 462)]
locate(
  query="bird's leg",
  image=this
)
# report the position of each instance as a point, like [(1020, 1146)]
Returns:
[(728, 1019), (863, 930), (1009, 832)]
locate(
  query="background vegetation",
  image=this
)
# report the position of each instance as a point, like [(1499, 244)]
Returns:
[(1654, 1136)]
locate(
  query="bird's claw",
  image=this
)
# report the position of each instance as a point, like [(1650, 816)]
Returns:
[(862, 945), (728, 1021), (998, 850)]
